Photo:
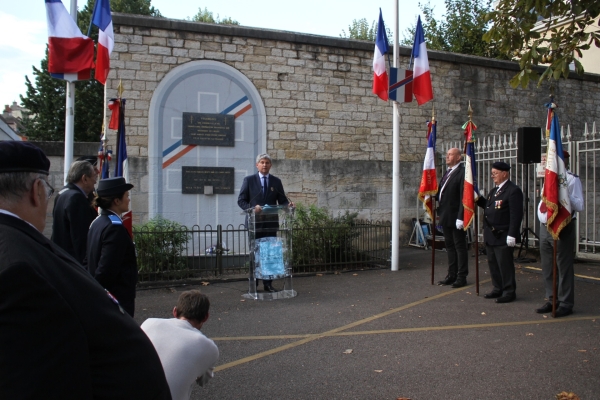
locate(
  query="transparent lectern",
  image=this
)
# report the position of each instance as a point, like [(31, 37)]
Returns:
[(270, 239)]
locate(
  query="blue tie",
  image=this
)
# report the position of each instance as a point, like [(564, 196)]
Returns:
[(264, 186)]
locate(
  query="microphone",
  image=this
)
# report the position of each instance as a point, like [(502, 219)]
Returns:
[(284, 195)]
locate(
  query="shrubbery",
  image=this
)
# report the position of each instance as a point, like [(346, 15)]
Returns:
[(160, 245)]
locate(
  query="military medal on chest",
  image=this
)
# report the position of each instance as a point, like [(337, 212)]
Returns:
[(498, 204)]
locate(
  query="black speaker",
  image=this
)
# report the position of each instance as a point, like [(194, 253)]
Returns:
[(529, 145)]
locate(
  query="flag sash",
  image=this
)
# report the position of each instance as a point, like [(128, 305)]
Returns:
[(401, 85)]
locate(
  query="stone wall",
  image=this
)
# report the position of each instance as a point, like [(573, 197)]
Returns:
[(331, 138)]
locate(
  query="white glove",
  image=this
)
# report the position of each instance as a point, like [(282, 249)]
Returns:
[(510, 241), (475, 195), (459, 224)]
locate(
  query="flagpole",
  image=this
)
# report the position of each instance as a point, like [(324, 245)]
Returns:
[(70, 112), (554, 286), (396, 158), (433, 213)]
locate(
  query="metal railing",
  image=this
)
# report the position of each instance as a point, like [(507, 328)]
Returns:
[(203, 253), (585, 151)]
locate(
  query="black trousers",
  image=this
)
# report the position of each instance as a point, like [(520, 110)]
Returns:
[(502, 269), (456, 247)]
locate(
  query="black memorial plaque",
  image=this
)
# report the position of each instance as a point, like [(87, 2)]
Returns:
[(193, 180), (208, 129)]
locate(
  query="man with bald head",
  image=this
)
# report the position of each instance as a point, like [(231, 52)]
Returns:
[(450, 212)]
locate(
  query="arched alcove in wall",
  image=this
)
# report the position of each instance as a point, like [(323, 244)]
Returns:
[(202, 87)]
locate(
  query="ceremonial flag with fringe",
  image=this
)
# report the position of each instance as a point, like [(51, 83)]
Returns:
[(470, 189), (429, 185), (555, 193)]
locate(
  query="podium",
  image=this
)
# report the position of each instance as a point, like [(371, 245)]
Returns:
[(270, 239)]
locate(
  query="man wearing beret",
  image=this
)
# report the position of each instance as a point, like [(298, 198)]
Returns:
[(61, 334), (72, 213), (565, 250), (503, 212)]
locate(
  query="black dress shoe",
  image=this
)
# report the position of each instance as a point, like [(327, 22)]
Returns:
[(459, 283), (492, 295), (448, 280), (506, 299), (563, 312), (546, 308), (270, 289)]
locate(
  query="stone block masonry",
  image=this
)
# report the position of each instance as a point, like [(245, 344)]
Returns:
[(325, 129)]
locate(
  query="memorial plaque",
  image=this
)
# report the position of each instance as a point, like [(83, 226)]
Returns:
[(194, 179), (208, 129)]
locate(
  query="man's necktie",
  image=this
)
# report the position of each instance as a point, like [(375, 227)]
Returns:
[(445, 177), (264, 185)]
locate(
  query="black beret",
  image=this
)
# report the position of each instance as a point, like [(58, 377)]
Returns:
[(91, 159), (17, 156), (113, 186), (501, 166)]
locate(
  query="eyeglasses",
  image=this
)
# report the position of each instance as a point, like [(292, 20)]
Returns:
[(49, 188), (497, 173)]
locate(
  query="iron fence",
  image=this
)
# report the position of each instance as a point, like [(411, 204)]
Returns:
[(181, 253)]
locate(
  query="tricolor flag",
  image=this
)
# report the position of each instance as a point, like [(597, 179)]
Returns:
[(70, 53), (555, 194), (121, 167), (401, 85), (380, 76), (429, 185), (421, 77), (470, 189), (106, 40)]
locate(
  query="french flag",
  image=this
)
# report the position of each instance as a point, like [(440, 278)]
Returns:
[(470, 189), (429, 185), (106, 39), (380, 76), (422, 88), (555, 193), (70, 53)]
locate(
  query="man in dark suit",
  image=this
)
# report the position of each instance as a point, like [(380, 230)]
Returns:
[(450, 212), (72, 213), (259, 190), (62, 336), (503, 212)]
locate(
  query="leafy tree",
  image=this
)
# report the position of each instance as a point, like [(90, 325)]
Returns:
[(45, 97), (544, 32), (208, 16), (361, 30), (460, 31)]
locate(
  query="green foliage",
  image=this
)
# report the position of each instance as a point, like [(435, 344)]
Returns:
[(208, 16), (461, 29), (319, 238), (544, 32), (161, 245), (361, 30), (45, 97)]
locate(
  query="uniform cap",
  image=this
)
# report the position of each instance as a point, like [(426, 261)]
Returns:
[(16, 156), (113, 186)]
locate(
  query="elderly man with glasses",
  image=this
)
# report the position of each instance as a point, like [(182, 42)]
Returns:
[(503, 212), (62, 336)]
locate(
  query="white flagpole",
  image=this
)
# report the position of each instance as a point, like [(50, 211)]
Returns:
[(70, 111), (396, 159)]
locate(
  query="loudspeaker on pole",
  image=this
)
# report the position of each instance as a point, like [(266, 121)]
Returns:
[(529, 145)]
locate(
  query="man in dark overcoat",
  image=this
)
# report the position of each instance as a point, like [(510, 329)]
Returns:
[(61, 335), (503, 212), (450, 212), (72, 213)]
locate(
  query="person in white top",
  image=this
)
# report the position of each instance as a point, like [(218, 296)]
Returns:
[(187, 356), (565, 250)]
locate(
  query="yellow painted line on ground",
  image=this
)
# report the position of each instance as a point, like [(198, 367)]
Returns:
[(313, 337), (577, 275)]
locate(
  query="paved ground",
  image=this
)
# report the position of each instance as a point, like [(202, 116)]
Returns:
[(379, 334)]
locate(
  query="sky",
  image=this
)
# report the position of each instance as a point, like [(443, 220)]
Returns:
[(24, 32)]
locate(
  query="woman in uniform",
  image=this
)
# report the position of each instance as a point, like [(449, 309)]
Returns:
[(111, 255)]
